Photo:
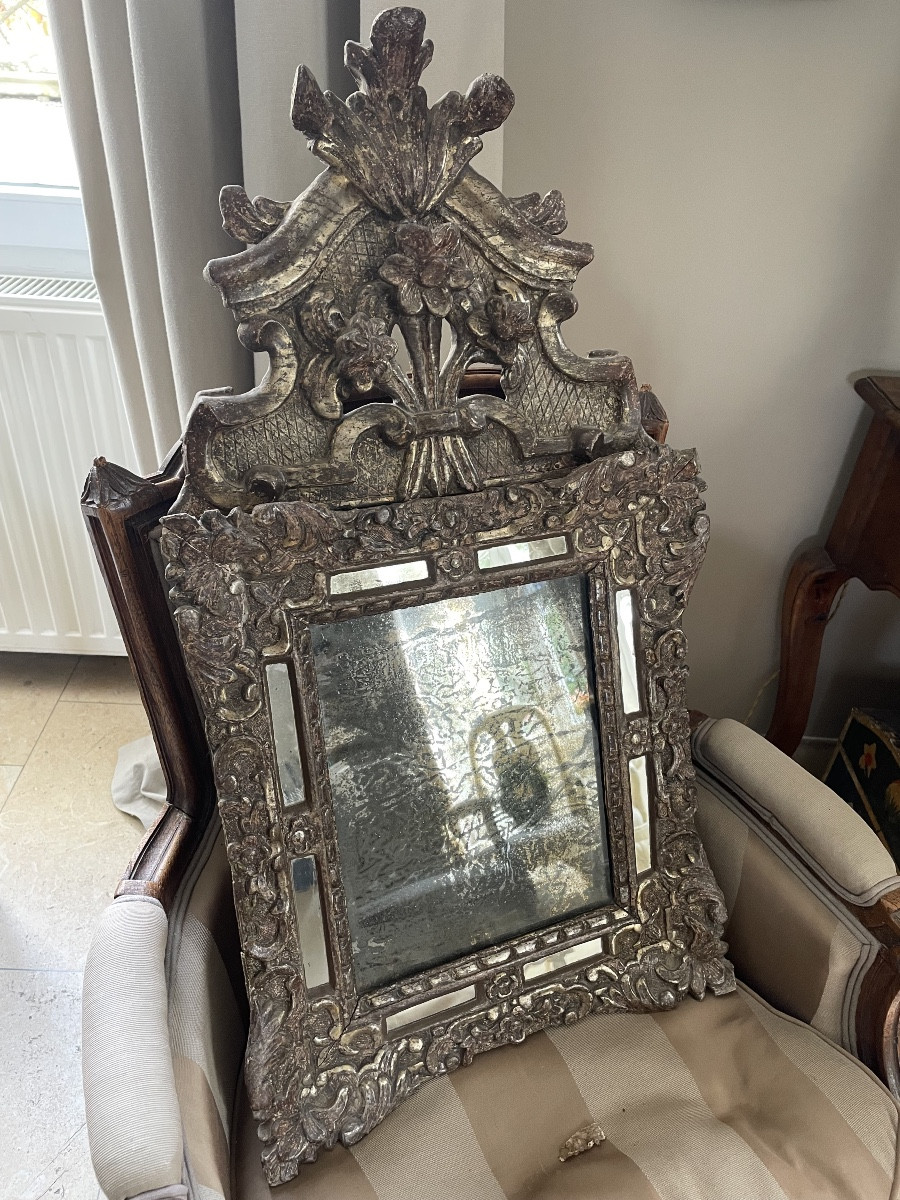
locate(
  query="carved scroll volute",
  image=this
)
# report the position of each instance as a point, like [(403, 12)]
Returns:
[(399, 240)]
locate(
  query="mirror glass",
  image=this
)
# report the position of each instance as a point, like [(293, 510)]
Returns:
[(284, 731), (464, 764), (519, 552), (310, 926), (378, 577), (563, 958), (430, 1008), (640, 811), (631, 701)]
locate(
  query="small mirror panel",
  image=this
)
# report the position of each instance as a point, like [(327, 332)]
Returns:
[(520, 552), (284, 729), (428, 1008), (628, 672), (310, 925), (562, 958), (378, 577), (640, 811)]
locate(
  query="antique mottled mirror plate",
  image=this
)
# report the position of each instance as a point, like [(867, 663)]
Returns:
[(464, 765), (433, 620)]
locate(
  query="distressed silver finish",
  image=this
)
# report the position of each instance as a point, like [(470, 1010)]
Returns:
[(400, 234), (581, 1141)]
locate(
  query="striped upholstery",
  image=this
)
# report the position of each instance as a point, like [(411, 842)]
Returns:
[(823, 831), (719, 1099)]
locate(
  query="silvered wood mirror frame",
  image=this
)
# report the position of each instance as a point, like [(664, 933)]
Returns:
[(321, 1067), (424, 474)]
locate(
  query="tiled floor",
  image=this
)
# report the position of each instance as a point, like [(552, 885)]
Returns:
[(62, 847)]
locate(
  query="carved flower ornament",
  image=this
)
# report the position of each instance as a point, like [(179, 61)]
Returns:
[(363, 350), (427, 269), (504, 323)]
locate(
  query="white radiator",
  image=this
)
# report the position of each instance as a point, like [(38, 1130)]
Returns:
[(60, 407)]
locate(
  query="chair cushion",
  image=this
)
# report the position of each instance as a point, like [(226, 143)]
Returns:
[(715, 1099)]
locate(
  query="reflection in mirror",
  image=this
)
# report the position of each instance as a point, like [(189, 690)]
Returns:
[(640, 811), (563, 958), (378, 577), (284, 730), (464, 766), (310, 926), (631, 701), (519, 552), (418, 1012)]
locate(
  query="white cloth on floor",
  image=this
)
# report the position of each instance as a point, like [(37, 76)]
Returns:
[(138, 785)]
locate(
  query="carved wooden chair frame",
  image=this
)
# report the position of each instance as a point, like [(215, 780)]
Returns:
[(342, 462)]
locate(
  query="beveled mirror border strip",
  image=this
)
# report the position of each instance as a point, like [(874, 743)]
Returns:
[(313, 1076)]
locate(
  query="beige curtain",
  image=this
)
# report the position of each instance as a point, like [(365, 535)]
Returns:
[(167, 101), (150, 91)]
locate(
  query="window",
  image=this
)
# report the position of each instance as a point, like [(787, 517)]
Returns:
[(41, 219)]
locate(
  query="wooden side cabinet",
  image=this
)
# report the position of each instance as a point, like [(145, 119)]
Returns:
[(864, 543)]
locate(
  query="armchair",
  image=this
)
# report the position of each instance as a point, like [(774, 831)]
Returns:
[(784, 1088), (761, 1093)]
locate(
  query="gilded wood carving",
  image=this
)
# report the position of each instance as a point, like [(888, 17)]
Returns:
[(342, 461)]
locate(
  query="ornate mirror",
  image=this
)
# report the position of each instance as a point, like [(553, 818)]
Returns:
[(433, 619)]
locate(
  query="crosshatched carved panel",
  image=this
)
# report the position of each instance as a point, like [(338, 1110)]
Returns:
[(424, 575), (464, 764)]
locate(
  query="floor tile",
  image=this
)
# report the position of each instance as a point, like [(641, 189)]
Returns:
[(102, 677), (41, 1134), (8, 776), (30, 685), (69, 1176), (63, 845)]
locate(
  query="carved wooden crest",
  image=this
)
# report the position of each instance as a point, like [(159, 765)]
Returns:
[(336, 520), (400, 236)]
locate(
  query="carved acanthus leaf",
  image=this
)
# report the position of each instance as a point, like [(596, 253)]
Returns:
[(248, 220), (112, 486), (547, 212), (402, 155)]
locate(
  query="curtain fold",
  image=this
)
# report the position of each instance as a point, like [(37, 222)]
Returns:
[(273, 37), (151, 97)]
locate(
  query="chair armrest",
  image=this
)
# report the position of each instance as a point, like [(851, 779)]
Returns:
[(131, 1106), (824, 832), (811, 892)]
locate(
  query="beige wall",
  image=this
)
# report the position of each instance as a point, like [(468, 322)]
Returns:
[(736, 165)]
